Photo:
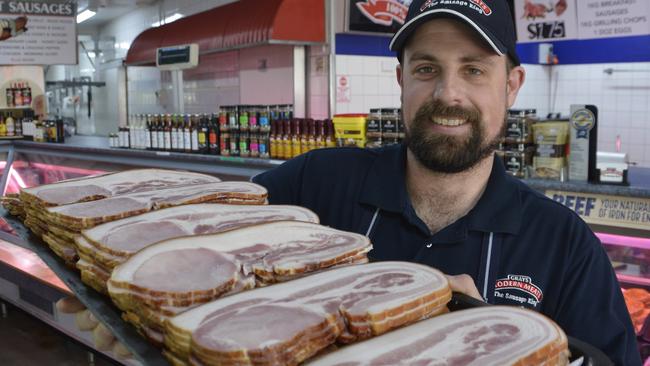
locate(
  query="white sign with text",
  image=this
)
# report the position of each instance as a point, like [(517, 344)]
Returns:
[(613, 18), (34, 32)]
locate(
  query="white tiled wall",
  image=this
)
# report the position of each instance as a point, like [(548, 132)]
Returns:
[(535, 93), (318, 82), (145, 91), (371, 80), (266, 75), (225, 78), (622, 98), (215, 82)]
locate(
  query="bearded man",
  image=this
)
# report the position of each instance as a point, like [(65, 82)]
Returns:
[(443, 199)]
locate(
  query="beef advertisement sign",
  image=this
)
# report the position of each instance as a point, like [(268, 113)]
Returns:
[(38, 32), (376, 16)]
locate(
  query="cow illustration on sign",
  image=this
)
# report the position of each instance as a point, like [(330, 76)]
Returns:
[(12, 27)]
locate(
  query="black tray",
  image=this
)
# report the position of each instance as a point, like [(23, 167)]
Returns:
[(98, 304), (591, 355)]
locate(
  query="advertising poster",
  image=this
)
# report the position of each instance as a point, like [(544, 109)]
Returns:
[(626, 212), (342, 89), (376, 16), (38, 32), (546, 20)]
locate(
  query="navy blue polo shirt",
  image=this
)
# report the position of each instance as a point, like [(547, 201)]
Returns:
[(520, 247)]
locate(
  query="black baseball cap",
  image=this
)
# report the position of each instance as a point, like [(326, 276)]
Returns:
[(491, 19)]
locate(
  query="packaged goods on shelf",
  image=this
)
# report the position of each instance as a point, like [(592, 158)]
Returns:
[(519, 126), (17, 123), (18, 94), (517, 148), (551, 138), (384, 126), (350, 129)]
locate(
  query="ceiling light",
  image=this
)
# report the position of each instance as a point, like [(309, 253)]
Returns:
[(169, 19), (85, 15)]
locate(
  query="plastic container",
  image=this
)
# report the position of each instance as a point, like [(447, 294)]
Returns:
[(350, 129)]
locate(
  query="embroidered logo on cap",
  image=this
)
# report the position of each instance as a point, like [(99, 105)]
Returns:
[(526, 292), (427, 4), (478, 5)]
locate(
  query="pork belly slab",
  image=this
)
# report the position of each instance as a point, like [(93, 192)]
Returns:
[(491, 335), (107, 245), (89, 214), (287, 323), (171, 276), (60, 225), (111, 184)]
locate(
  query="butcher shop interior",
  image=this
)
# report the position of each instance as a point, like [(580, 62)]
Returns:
[(200, 182)]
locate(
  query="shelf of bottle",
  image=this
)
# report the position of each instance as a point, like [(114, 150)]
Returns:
[(11, 137), (15, 108)]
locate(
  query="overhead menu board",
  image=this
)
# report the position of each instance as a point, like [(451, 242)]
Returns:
[(543, 20), (38, 32), (613, 18), (556, 20)]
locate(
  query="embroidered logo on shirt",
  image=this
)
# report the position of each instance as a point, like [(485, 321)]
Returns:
[(519, 289)]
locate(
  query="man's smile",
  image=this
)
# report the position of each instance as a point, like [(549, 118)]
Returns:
[(448, 121)]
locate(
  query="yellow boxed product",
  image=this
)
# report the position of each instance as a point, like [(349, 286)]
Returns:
[(350, 129)]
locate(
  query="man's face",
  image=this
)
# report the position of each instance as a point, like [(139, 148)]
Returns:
[(455, 93)]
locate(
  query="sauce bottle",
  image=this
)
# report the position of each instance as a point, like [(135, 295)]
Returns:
[(330, 139), (11, 125), (295, 138), (167, 133), (286, 139), (202, 135), (194, 133), (213, 135)]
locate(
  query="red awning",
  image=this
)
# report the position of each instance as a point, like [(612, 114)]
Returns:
[(236, 25)]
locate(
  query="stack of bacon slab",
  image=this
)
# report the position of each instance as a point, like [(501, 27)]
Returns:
[(116, 196), (172, 276), (287, 323), (491, 335), (105, 246), (66, 222), (36, 200), (12, 203)]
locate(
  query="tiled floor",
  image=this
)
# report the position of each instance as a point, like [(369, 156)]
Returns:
[(26, 341)]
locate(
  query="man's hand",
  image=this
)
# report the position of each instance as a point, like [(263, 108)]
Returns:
[(85, 321), (464, 284)]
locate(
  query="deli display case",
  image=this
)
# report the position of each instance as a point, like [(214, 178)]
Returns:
[(34, 279), (31, 280)]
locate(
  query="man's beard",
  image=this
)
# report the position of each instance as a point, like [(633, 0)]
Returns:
[(448, 153)]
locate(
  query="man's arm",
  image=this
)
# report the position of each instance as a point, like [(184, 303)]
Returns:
[(592, 308)]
